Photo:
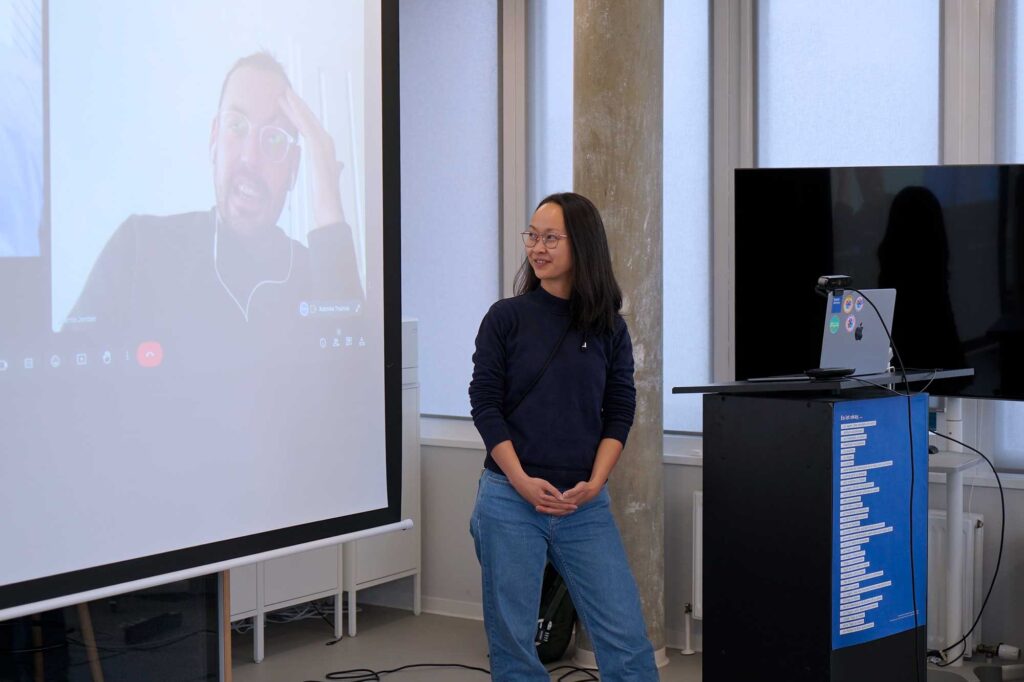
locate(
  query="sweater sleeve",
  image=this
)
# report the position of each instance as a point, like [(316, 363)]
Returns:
[(487, 388), (619, 393)]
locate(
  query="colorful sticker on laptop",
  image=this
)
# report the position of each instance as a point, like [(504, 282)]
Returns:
[(833, 324), (848, 304), (851, 323), (837, 304), (859, 305)]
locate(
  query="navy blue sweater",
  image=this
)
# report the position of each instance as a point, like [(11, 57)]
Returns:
[(585, 394)]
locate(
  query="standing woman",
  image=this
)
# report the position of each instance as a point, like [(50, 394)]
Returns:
[(553, 398)]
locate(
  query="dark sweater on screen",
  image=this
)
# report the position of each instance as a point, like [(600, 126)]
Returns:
[(157, 280), (585, 394)]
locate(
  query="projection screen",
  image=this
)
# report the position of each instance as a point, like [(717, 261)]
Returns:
[(199, 284)]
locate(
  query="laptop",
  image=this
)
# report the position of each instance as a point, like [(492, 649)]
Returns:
[(853, 336)]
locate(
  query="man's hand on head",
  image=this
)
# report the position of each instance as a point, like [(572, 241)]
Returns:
[(327, 208)]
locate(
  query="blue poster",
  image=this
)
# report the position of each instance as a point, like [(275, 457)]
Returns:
[(872, 590)]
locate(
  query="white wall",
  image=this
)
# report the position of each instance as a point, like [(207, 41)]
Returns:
[(451, 574)]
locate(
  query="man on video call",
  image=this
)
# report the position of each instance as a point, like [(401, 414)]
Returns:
[(215, 284)]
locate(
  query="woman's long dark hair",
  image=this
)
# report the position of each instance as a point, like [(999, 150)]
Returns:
[(596, 297)]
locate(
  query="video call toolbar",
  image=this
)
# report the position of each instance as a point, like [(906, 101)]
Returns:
[(147, 354)]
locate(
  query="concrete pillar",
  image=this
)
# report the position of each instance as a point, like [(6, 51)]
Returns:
[(617, 162)]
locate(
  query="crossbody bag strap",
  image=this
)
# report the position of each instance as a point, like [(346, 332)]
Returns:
[(551, 356)]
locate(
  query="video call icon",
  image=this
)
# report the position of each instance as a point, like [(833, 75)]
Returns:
[(149, 354), (81, 359)]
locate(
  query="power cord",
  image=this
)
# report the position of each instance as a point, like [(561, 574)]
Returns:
[(149, 646), (1002, 502), (855, 377), (910, 434), (995, 573), (590, 676), (936, 653), (329, 622), (317, 608), (34, 650), (367, 675), (110, 652)]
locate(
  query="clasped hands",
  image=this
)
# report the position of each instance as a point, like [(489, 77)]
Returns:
[(547, 499)]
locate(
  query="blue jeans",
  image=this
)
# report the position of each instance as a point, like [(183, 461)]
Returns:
[(514, 541)]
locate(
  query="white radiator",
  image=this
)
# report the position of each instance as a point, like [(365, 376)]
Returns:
[(973, 592), (973, 589)]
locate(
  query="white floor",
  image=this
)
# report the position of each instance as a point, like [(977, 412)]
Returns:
[(389, 638)]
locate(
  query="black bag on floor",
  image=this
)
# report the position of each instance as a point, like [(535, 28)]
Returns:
[(556, 619)]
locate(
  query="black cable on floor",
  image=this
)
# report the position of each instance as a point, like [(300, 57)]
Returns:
[(999, 556), (147, 646), (328, 621), (590, 676), (367, 675), (321, 614)]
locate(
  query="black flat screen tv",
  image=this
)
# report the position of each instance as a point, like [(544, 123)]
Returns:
[(949, 239)]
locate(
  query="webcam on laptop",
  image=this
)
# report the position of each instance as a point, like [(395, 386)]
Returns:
[(829, 283)]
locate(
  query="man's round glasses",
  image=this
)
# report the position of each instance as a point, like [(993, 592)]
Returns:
[(275, 143), (550, 240)]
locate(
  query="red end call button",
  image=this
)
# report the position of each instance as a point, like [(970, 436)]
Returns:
[(149, 354)]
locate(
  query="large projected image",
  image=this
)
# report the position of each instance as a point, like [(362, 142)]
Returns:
[(199, 355)]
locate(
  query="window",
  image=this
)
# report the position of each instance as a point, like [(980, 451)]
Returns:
[(848, 83), (549, 63), (1009, 70), (686, 209), (449, 100)]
